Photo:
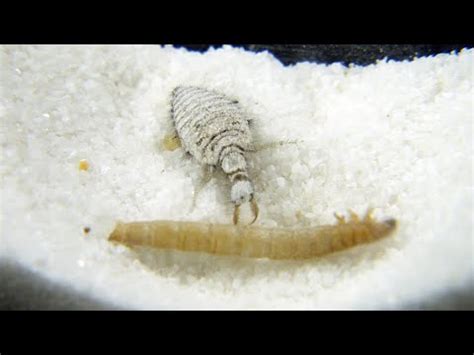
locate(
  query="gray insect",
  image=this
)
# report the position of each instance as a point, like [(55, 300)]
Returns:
[(215, 130)]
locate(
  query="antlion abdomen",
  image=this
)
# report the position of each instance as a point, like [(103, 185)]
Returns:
[(253, 241), (209, 123)]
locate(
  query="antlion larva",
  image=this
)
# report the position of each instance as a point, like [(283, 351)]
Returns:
[(254, 241), (214, 129)]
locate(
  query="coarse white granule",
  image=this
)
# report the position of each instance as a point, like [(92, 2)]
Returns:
[(394, 135)]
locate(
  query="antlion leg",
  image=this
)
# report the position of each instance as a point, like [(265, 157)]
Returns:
[(271, 145), (204, 179)]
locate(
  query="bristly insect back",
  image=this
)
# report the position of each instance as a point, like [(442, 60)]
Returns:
[(214, 129)]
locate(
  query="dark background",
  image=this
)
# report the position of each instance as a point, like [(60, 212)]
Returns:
[(21, 289), (363, 54)]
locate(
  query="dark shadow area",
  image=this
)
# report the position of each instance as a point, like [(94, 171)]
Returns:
[(346, 54), (462, 299), (21, 289)]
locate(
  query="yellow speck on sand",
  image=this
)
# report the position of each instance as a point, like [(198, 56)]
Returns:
[(171, 142), (83, 165)]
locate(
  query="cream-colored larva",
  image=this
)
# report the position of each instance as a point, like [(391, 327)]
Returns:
[(214, 129), (254, 241)]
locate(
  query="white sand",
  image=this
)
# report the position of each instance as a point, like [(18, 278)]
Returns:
[(396, 135)]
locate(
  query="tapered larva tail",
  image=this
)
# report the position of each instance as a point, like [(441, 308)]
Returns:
[(254, 241)]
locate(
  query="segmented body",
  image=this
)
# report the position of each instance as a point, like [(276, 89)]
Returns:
[(212, 128), (253, 241)]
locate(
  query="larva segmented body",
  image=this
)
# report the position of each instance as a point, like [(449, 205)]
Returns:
[(252, 241), (214, 129)]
